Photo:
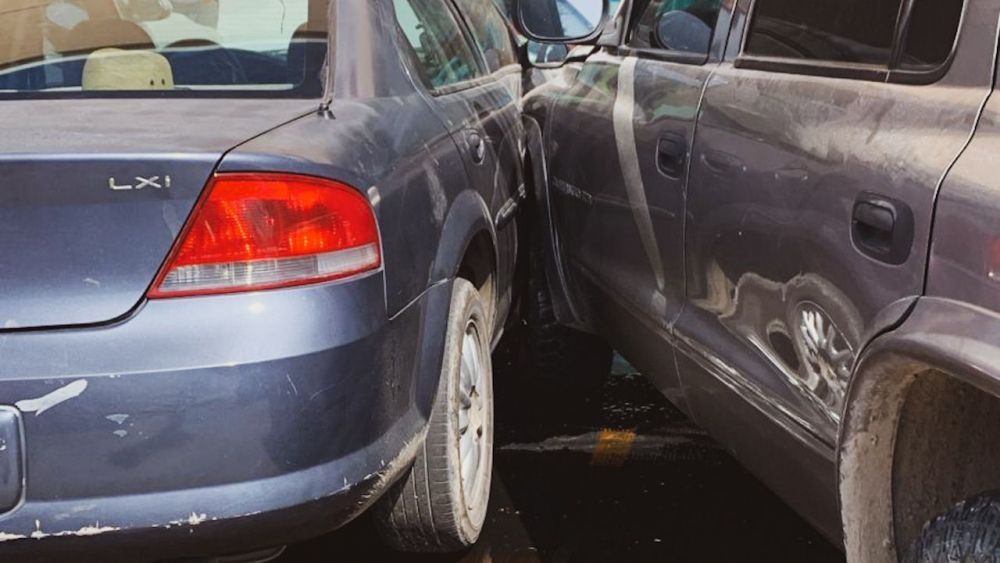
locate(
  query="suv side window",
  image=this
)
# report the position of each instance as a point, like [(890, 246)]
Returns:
[(491, 33), (845, 31), (443, 55), (931, 35), (683, 26), (916, 37)]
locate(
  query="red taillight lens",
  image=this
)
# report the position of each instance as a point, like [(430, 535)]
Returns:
[(261, 231)]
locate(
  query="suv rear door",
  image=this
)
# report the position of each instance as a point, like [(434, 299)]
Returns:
[(618, 150), (821, 144)]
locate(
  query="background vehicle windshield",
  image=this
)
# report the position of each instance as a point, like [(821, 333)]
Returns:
[(267, 48)]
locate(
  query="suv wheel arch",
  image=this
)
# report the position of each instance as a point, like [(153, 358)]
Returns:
[(909, 445)]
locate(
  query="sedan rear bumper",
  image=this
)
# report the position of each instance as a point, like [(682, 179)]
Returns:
[(217, 424)]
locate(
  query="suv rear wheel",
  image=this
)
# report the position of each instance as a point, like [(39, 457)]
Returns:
[(440, 506), (968, 533)]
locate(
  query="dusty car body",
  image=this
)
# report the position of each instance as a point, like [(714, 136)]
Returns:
[(175, 426), (794, 235)]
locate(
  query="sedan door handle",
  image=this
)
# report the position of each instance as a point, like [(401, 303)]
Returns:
[(671, 155), (882, 228)]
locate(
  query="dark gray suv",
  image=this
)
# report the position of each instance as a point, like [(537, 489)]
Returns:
[(786, 214)]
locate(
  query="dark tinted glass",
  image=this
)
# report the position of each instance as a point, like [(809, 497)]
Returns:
[(491, 33), (675, 25), (931, 34), (442, 52), (848, 31)]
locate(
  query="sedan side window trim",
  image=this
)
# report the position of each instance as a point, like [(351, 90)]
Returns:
[(462, 86)]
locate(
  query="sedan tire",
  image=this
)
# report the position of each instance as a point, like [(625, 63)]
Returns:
[(440, 506)]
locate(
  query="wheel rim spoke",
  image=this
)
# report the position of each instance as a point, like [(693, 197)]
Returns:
[(473, 407), (463, 421), (470, 465)]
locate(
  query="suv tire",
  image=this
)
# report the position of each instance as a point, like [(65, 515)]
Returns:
[(440, 505), (969, 532)]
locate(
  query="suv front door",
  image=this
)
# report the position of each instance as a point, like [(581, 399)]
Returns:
[(619, 149)]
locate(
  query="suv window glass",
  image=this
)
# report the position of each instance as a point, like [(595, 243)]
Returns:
[(443, 54), (83, 47), (931, 33), (848, 31), (675, 25), (491, 33)]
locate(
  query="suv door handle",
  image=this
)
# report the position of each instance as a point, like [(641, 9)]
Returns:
[(477, 147), (671, 155), (723, 164), (882, 228)]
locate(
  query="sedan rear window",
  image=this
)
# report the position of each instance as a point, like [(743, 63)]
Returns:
[(266, 48)]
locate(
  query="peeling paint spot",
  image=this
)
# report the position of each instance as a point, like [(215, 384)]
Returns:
[(38, 534), (4, 536), (193, 520), (46, 402), (120, 433), (196, 519), (92, 281), (118, 419), (89, 531)]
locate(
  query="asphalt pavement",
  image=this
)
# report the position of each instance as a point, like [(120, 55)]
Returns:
[(616, 474)]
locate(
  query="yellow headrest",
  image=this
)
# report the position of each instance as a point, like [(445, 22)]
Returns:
[(118, 69)]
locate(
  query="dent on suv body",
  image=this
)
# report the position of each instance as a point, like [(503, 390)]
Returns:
[(253, 263), (785, 214)]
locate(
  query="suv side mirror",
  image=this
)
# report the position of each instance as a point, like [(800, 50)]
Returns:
[(560, 21)]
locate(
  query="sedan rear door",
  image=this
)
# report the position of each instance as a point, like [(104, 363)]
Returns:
[(473, 84)]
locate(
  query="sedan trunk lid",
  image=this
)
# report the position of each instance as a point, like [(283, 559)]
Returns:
[(93, 194)]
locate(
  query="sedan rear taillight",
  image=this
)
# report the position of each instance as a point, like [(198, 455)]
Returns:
[(264, 231)]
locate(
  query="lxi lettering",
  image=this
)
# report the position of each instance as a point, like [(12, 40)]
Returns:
[(154, 182)]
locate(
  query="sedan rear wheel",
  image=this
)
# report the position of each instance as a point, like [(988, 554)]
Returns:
[(440, 506)]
